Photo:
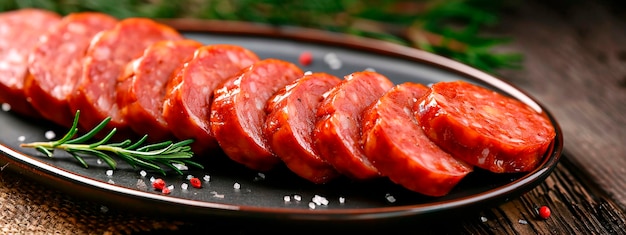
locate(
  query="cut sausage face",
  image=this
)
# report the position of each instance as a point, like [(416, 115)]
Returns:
[(484, 128), (55, 65), (106, 57), (395, 144), (142, 86), (20, 31), (238, 111), (189, 95), (337, 131), (290, 122)]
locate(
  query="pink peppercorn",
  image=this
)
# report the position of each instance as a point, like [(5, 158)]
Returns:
[(306, 58), (544, 212)]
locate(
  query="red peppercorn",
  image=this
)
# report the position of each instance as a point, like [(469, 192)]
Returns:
[(544, 212), (195, 182), (306, 58), (166, 190), (158, 184)]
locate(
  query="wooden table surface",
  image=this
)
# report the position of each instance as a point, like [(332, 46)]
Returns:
[(575, 64)]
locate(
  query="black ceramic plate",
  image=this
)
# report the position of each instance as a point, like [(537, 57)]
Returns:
[(279, 194)]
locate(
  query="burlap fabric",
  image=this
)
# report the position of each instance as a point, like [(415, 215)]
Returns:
[(27, 207)]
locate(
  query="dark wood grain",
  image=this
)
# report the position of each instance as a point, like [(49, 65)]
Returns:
[(575, 64)]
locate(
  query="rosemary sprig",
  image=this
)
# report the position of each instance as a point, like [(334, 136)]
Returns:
[(136, 154)]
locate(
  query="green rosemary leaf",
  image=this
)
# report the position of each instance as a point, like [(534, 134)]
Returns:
[(170, 165), (79, 159), (150, 147), (106, 158), (44, 150), (192, 164), (73, 130), (104, 140), (91, 133), (138, 143), (122, 144)]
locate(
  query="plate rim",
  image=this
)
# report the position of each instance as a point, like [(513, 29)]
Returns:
[(40, 170)]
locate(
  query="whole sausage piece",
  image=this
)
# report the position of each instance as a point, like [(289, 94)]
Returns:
[(142, 86), (20, 31), (337, 133), (290, 122), (395, 144), (484, 128), (55, 65), (238, 111), (106, 57), (189, 95)]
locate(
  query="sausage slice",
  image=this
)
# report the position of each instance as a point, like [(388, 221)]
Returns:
[(141, 88), (337, 133), (484, 128), (395, 144), (106, 57), (55, 65), (20, 31), (238, 111), (189, 95), (290, 122)]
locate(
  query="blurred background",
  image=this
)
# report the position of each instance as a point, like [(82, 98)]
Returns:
[(457, 29)]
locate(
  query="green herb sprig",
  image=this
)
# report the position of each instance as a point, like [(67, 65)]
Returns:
[(452, 28), (150, 156)]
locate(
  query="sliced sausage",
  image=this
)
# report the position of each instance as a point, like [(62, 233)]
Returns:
[(106, 57), (55, 65), (484, 128), (290, 122), (337, 133), (141, 88), (395, 144), (20, 31), (238, 111), (189, 95)]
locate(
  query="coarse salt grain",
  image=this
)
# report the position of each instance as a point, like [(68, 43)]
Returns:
[(184, 186), (217, 195), (287, 198), (297, 197), (522, 221), (111, 181), (342, 200), (152, 179), (390, 198), (181, 167), (109, 172), (483, 219), (311, 205), (6, 107), (21, 138), (99, 161), (143, 173), (50, 135), (236, 186), (104, 209), (319, 200), (189, 177), (206, 178), (171, 187), (333, 61)]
